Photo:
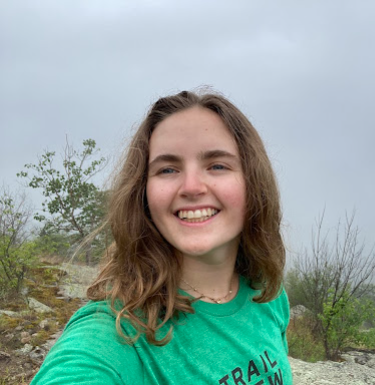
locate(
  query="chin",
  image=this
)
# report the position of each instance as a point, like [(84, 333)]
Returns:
[(207, 249), (204, 253), (194, 251)]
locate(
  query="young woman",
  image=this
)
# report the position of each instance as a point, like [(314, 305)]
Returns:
[(191, 292)]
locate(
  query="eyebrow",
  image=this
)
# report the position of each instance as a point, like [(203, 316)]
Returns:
[(216, 154), (207, 155), (165, 158)]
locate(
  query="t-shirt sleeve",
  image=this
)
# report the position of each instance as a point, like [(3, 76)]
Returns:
[(282, 313), (90, 351)]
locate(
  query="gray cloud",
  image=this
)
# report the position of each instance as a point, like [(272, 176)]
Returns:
[(302, 72)]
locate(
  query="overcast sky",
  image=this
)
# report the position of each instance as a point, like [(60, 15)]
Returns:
[(302, 71)]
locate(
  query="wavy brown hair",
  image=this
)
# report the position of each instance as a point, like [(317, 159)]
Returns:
[(142, 269)]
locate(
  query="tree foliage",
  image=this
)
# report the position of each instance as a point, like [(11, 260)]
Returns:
[(17, 252), (342, 321), (73, 203), (332, 280), (52, 243)]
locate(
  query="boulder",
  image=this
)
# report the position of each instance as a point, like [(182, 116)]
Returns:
[(298, 311), (38, 306), (44, 324), (25, 337), (10, 313), (25, 350), (37, 354)]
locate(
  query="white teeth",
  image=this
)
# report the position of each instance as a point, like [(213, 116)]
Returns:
[(197, 215)]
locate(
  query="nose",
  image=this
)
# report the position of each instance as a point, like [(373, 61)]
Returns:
[(193, 184)]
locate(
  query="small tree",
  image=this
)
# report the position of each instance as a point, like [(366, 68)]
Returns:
[(342, 321), (51, 242), (74, 203), (17, 252), (330, 279)]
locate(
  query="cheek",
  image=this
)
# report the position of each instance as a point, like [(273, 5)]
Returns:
[(235, 196), (157, 198), (151, 194)]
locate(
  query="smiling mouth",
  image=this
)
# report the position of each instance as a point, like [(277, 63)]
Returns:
[(196, 215)]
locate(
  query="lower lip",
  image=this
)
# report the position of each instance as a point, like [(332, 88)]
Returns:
[(197, 224)]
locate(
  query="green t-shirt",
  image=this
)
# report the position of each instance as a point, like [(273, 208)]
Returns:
[(236, 343)]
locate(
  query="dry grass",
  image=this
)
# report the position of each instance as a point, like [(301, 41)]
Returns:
[(302, 342)]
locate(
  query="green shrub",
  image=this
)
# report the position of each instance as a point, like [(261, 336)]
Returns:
[(342, 320)]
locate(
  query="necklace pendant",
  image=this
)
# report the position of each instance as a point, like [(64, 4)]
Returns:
[(218, 301)]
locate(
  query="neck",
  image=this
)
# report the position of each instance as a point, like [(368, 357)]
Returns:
[(211, 283)]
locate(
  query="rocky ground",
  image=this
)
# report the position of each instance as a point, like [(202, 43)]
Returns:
[(21, 364), (27, 335), (357, 369)]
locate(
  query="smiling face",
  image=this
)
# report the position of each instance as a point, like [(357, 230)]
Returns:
[(195, 186)]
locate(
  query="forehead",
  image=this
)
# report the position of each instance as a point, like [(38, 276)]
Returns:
[(197, 127)]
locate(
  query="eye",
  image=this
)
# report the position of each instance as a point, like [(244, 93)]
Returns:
[(218, 167), (167, 170)]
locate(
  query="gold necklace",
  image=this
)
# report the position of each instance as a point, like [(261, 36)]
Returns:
[(218, 300)]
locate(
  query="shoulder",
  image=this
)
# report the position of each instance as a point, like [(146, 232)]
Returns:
[(280, 308), (91, 351), (93, 314)]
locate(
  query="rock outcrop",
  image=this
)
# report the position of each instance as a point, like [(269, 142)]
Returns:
[(357, 369)]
